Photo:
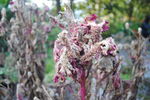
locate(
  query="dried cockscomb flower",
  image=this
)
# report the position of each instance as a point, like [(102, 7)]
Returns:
[(77, 44)]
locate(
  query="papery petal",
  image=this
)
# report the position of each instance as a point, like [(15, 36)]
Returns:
[(105, 27), (92, 17), (56, 78)]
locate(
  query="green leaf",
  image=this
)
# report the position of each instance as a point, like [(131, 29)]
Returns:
[(4, 3)]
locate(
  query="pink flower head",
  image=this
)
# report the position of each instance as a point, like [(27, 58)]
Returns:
[(11, 2), (59, 77), (56, 78), (92, 17), (108, 47), (105, 27)]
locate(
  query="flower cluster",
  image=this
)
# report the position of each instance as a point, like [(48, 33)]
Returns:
[(78, 44)]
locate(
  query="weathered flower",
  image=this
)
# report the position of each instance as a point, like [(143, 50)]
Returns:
[(92, 17), (11, 2), (105, 26), (108, 47), (83, 41), (77, 45), (13, 6)]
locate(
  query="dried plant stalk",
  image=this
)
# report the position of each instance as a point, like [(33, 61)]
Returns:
[(28, 32)]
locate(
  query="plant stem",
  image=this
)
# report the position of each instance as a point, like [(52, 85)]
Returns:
[(82, 85)]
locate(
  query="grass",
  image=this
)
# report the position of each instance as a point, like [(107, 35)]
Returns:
[(49, 61), (126, 73), (49, 70), (126, 76)]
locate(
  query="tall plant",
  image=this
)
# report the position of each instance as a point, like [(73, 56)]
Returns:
[(28, 32), (78, 46)]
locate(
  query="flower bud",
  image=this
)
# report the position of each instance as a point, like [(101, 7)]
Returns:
[(139, 30), (3, 12)]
